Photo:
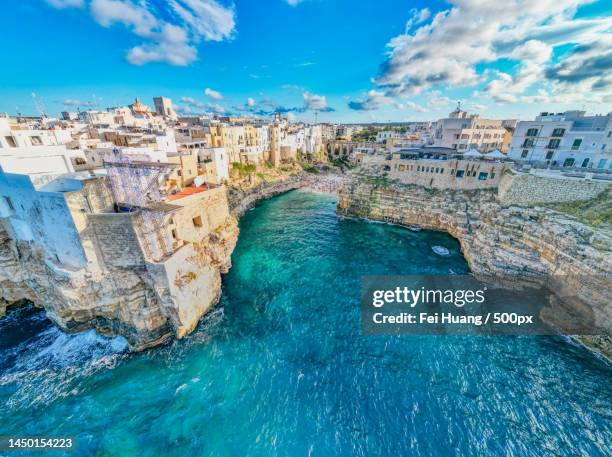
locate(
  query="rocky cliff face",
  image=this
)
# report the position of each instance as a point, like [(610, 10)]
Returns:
[(146, 306), (241, 200), (511, 245)]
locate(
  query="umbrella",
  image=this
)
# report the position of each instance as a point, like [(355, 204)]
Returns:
[(495, 155), (472, 153)]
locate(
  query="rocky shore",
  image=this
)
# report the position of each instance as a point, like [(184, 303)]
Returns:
[(241, 200), (510, 245)]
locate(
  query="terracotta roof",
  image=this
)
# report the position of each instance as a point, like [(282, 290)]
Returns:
[(192, 190)]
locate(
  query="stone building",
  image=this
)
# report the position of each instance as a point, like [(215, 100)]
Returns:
[(462, 131), (126, 253)]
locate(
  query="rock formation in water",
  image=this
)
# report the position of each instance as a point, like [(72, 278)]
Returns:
[(510, 245)]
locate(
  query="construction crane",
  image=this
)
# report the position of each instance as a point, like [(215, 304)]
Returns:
[(39, 106)]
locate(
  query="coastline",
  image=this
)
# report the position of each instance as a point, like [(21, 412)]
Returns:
[(510, 246)]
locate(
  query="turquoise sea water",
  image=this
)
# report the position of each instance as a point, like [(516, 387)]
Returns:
[(279, 367)]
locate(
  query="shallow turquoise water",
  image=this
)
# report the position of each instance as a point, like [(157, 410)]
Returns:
[(280, 369)]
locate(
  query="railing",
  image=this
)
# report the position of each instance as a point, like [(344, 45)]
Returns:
[(526, 166)]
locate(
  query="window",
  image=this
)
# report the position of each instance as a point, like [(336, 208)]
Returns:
[(528, 143), (568, 163), (197, 221), (576, 144), (483, 176), (553, 144), (174, 235), (80, 161), (35, 140), (11, 141), (549, 154), (585, 162), (465, 136), (9, 203), (601, 163), (460, 173), (558, 132), (532, 132), (524, 154), (492, 175)]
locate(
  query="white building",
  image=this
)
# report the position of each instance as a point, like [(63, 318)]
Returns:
[(463, 131), (32, 152), (385, 135), (219, 158), (568, 139)]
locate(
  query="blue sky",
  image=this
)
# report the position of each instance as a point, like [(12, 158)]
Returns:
[(352, 61)]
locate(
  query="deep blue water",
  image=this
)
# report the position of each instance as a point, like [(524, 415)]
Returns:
[(279, 368)]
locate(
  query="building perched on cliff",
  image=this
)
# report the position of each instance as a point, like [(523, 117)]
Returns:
[(436, 168), (462, 131), (129, 252), (566, 140)]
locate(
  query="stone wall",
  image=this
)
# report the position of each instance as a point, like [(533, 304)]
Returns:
[(210, 206), (529, 189), (439, 174), (116, 240)]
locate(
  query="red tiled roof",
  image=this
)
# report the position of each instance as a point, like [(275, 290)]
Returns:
[(192, 190)]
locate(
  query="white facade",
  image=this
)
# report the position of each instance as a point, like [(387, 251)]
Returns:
[(42, 216), (219, 157), (462, 131), (568, 139), (385, 135), (32, 152)]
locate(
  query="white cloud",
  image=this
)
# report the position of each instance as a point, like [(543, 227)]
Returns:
[(251, 102), (77, 102), (477, 107), (206, 18), (417, 17), (197, 106), (170, 30), (372, 101), (215, 95), (411, 106), (61, 4), (315, 102), (451, 49), (294, 2)]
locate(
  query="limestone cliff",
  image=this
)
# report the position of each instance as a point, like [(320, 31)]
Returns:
[(147, 305), (243, 199), (505, 244)]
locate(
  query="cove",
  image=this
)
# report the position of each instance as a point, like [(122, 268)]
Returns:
[(279, 368)]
